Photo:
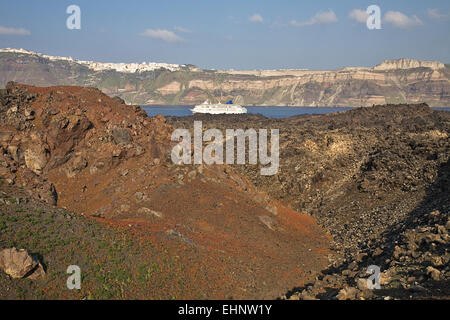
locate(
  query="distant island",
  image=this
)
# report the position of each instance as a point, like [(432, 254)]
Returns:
[(392, 81)]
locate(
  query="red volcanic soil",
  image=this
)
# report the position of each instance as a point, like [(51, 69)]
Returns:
[(84, 151)]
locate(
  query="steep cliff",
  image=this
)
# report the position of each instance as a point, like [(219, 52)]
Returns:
[(392, 81), (408, 64)]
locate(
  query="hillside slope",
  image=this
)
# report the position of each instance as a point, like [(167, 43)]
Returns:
[(377, 179), (85, 152)]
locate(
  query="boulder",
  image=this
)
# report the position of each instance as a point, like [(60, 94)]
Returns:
[(434, 273), (19, 264), (121, 136), (35, 159)]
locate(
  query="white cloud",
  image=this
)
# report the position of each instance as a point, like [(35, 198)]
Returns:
[(162, 34), (182, 30), (14, 31), (323, 17), (256, 18), (401, 20), (436, 15), (359, 15), (229, 37)]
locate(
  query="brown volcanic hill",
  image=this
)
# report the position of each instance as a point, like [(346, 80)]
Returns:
[(79, 149)]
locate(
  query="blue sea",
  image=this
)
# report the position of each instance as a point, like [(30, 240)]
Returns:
[(271, 112)]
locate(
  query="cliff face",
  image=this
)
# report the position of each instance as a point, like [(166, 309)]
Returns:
[(408, 64), (338, 88), (392, 81)]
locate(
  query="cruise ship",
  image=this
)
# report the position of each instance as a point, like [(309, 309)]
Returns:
[(219, 108)]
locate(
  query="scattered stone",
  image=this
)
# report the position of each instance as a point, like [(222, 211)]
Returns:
[(175, 233), (192, 174), (377, 252), (148, 211), (268, 222), (121, 136), (398, 252), (442, 230), (361, 283), (348, 293), (124, 208), (437, 261), (385, 277), (139, 196), (29, 115), (433, 273)]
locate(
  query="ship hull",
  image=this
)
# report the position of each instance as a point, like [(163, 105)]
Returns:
[(219, 109)]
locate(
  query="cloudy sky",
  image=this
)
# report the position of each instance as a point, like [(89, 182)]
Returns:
[(252, 34)]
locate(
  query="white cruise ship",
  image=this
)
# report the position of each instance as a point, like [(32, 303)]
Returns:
[(219, 108)]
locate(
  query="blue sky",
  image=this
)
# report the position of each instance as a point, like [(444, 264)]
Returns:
[(231, 34)]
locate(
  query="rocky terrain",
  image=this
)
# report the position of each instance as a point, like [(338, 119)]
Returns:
[(377, 179), (79, 152), (88, 180), (392, 81)]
